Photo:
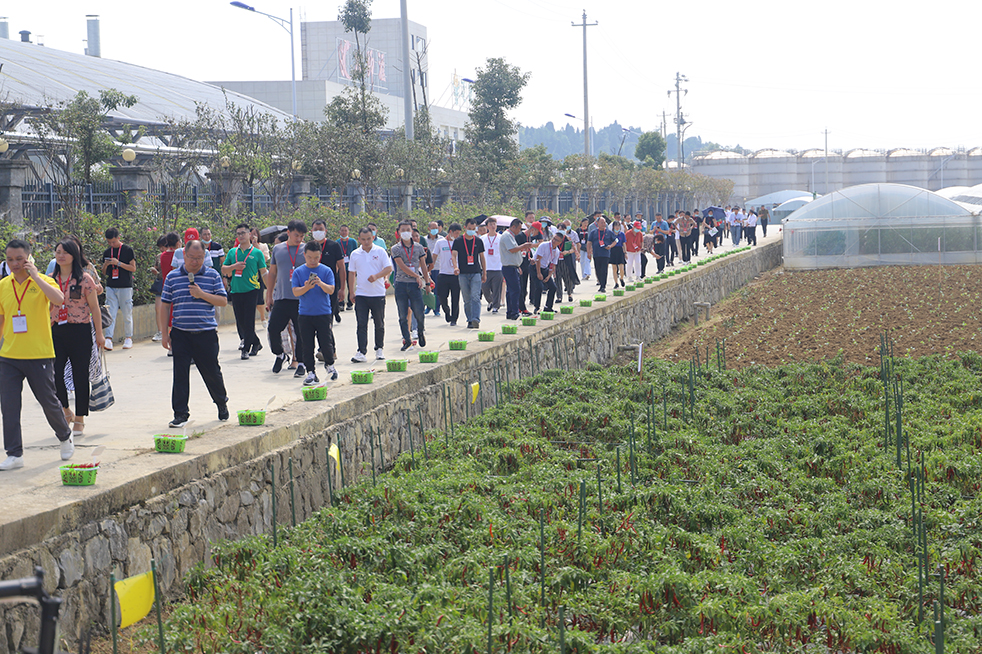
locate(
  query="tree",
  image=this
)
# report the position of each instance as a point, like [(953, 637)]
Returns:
[(498, 88), (74, 133), (650, 150), (357, 17)]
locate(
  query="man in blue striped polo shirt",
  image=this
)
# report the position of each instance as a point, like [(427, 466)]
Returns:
[(193, 291)]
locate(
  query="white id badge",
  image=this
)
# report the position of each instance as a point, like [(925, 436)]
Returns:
[(19, 324)]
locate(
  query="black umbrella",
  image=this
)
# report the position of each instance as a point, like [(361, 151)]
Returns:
[(717, 212), (269, 234)]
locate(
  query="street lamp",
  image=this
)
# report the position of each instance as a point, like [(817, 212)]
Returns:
[(288, 26), (129, 155), (623, 138), (814, 195)]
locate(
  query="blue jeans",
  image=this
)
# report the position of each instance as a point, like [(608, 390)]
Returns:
[(470, 291), (735, 232), (513, 290), (119, 299), (408, 294)]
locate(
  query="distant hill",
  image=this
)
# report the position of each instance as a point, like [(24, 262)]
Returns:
[(569, 140)]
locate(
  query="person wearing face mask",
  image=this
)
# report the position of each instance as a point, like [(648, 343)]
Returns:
[(409, 258), (379, 241), (633, 242), (566, 267), (214, 249), (492, 254), (471, 270), (533, 236), (449, 285), (433, 243), (331, 257)]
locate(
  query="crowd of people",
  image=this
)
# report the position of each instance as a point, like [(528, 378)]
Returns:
[(55, 327)]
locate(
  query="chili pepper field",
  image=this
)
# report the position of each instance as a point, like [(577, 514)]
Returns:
[(695, 509)]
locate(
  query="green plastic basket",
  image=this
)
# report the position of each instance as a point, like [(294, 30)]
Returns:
[(548, 315), (600, 297), (314, 393), (528, 321), (586, 303), (396, 365), (428, 357), (618, 292), (72, 475), (169, 443), (638, 285), (458, 345), (509, 329), (630, 287), (362, 376), (252, 418), (485, 336), (565, 309)]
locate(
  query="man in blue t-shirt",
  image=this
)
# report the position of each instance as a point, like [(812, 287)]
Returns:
[(313, 284), (193, 291), (598, 246)]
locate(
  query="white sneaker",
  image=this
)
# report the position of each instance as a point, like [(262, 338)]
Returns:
[(359, 358), (12, 463), (379, 354), (67, 448), (128, 343), (413, 335), (109, 345), (157, 337), (265, 324)]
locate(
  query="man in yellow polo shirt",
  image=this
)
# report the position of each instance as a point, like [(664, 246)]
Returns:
[(28, 352)]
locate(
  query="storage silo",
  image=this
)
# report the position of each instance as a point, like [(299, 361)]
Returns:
[(724, 164), (816, 175), (906, 166), (946, 167), (772, 170), (973, 167)]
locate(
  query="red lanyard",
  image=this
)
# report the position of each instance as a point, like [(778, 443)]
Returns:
[(491, 242), (344, 246), (22, 295), (293, 258), (600, 236), (548, 261), (470, 255), (412, 250), (246, 257), (64, 289)]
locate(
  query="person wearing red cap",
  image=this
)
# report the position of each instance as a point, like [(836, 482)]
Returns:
[(190, 234), (632, 247)]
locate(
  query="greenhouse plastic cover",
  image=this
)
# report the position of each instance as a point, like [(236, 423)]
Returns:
[(38, 76), (881, 224)]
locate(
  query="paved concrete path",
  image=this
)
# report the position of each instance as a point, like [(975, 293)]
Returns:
[(141, 381)]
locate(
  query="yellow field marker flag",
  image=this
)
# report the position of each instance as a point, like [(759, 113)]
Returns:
[(335, 454), (135, 598), (475, 389)]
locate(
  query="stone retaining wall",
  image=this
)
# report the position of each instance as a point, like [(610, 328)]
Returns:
[(228, 494)]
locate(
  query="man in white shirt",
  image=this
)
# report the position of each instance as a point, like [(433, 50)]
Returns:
[(433, 240), (544, 274), (750, 227), (368, 269), (448, 286), (492, 256)]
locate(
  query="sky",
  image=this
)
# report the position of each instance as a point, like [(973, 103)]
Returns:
[(762, 74)]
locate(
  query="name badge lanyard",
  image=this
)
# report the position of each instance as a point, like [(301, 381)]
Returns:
[(293, 257), (491, 240), (601, 234), (470, 254), (63, 309), (116, 257), (19, 322), (238, 273), (344, 249)]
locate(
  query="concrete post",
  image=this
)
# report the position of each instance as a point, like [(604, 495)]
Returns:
[(300, 189), (357, 194), (444, 193), (405, 197), (533, 202), (13, 178), (134, 182), (227, 189), (552, 191)]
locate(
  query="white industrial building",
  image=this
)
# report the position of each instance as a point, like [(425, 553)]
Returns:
[(327, 55), (767, 171)]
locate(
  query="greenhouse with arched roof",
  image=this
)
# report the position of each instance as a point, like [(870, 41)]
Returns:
[(881, 224)]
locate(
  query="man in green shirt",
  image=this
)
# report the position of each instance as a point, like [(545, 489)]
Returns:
[(245, 264)]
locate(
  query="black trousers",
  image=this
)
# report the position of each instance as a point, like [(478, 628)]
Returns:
[(644, 263), (449, 285), (284, 312), (695, 241), (565, 275), (244, 307), (38, 373), (686, 243), (538, 286), (513, 283), (202, 347), (763, 226), (600, 266), (526, 270), (751, 234), (376, 306), (73, 342), (319, 327), (672, 249), (660, 249)]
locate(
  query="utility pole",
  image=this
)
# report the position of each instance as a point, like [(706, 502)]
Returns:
[(586, 95), (664, 124), (679, 119), (407, 81), (826, 162)]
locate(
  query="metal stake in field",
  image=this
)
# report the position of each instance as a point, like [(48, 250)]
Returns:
[(272, 472), (511, 615), (371, 442), (330, 481), (412, 450), (422, 433), (542, 566), (490, 606), (562, 629), (112, 609), (579, 522), (293, 505), (156, 602)]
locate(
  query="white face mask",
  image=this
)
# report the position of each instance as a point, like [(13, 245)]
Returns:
[(319, 234), (406, 235)]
